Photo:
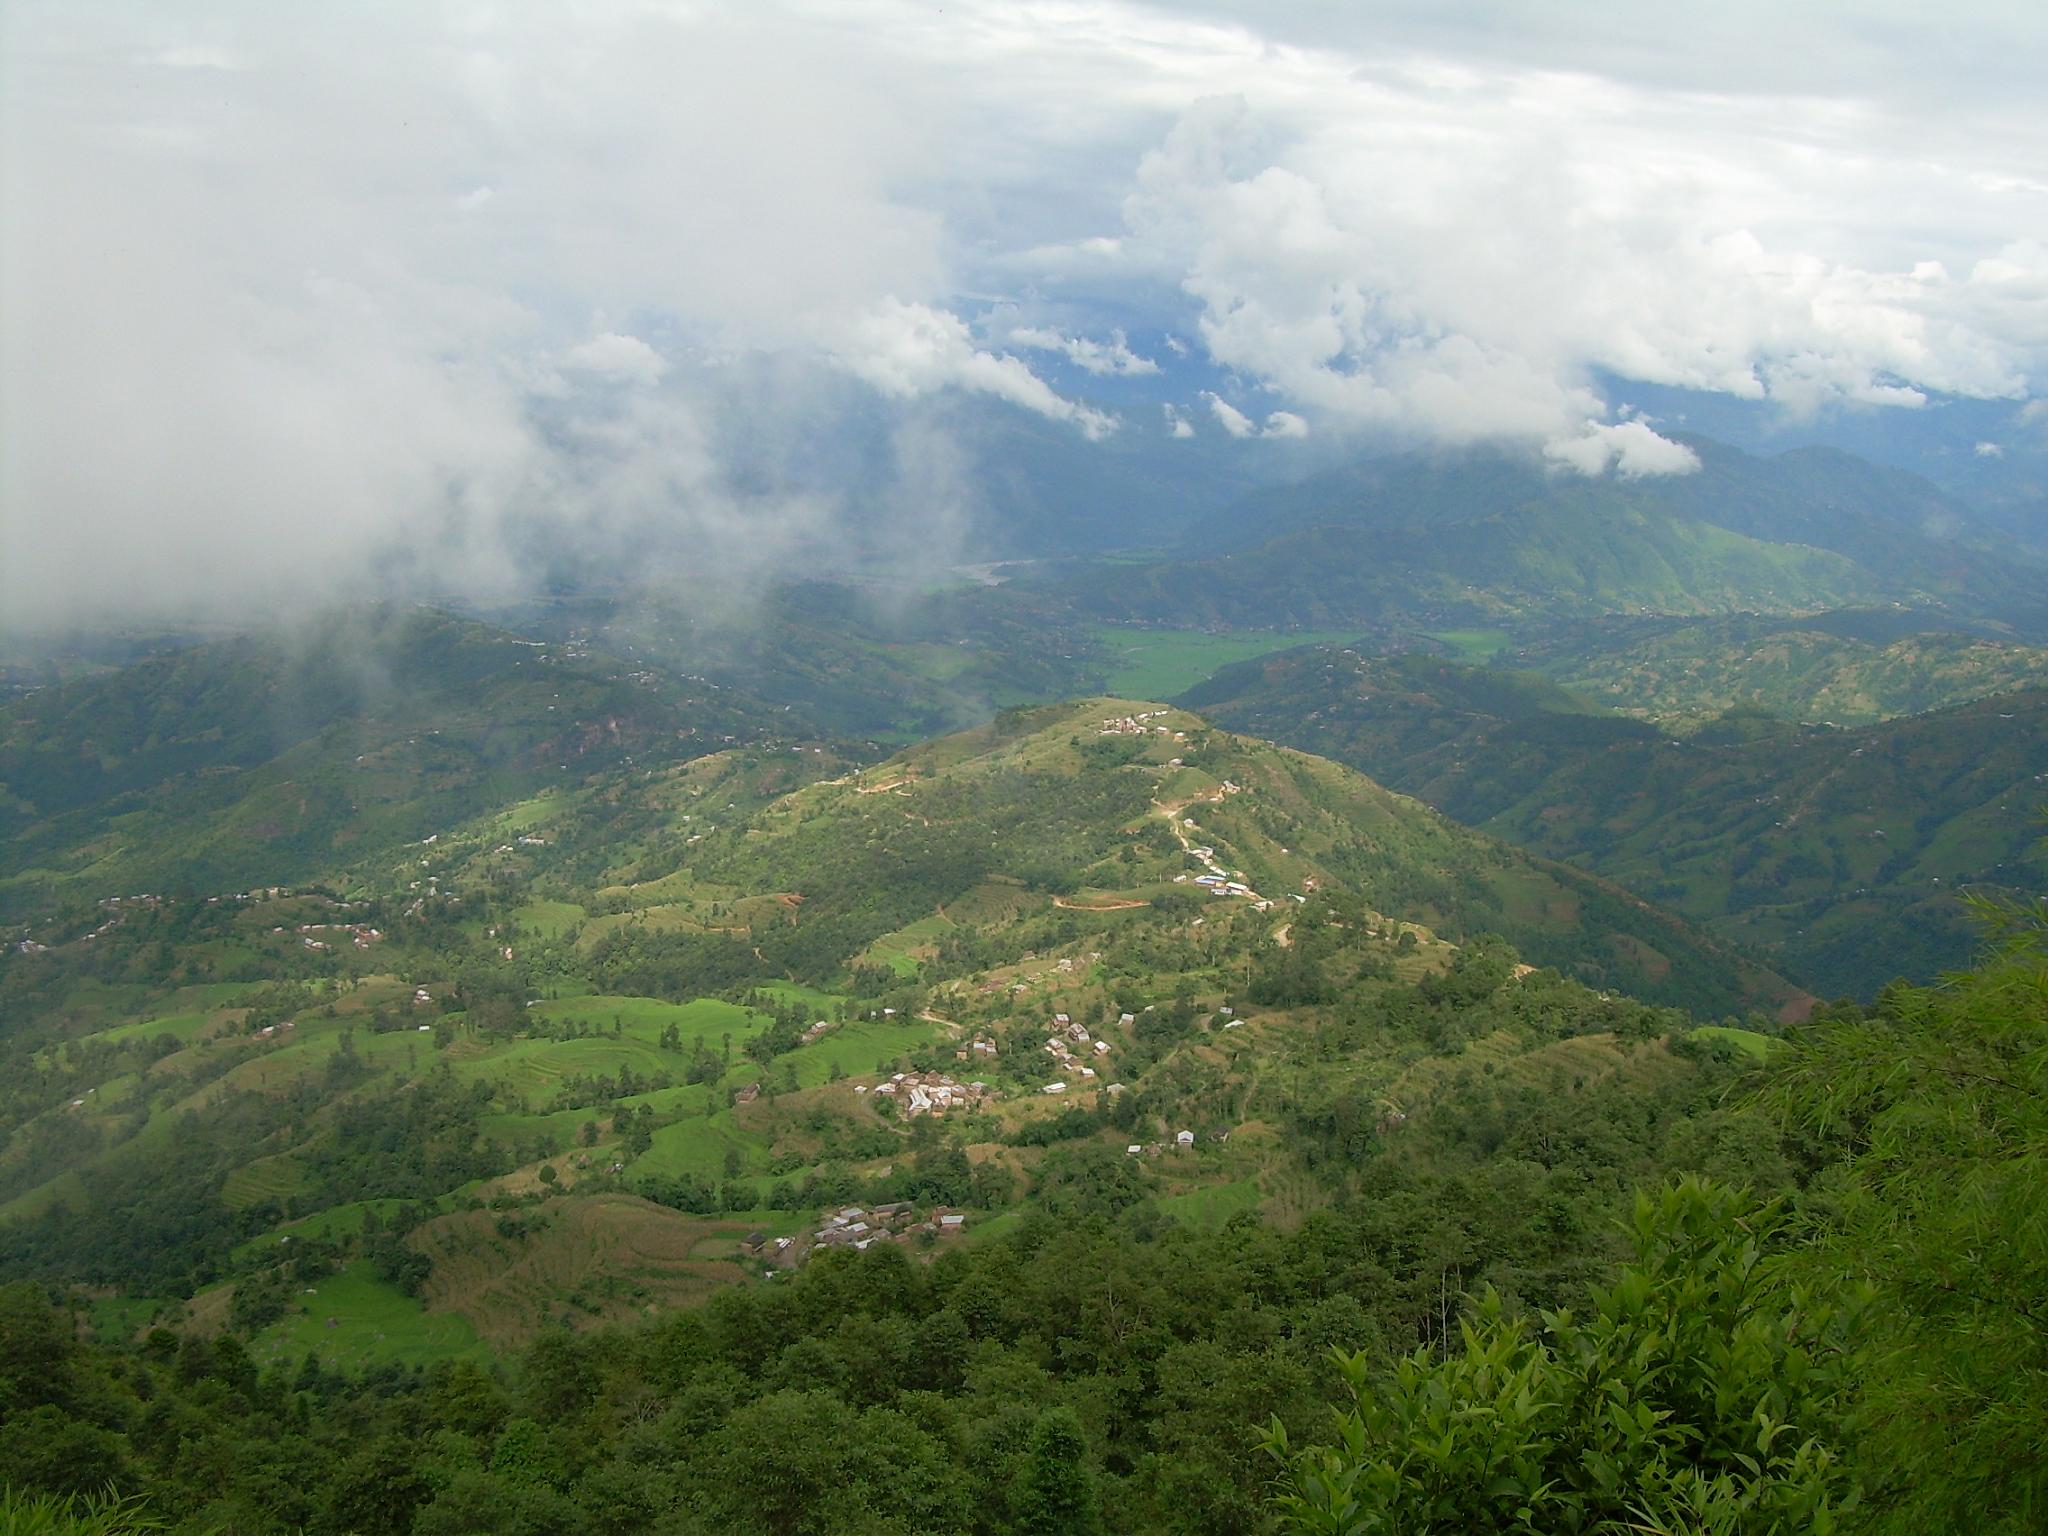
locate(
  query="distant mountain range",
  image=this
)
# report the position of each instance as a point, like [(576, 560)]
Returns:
[(1492, 536)]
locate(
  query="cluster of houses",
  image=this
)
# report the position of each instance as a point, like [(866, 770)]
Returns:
[(858, 1228), (362, 935), (1061, 1046), (433, 892), (1135, 725), (929, 1093), (1216, 874)]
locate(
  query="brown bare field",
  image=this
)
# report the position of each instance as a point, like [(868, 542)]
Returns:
[(584, 1261)]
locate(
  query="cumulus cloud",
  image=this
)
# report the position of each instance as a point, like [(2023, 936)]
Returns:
[(613, 356), (1099, 357), (908, 350), (1238, 424), (1456, 252), (1229, 417), (1989, 451), (253, 334), (1630, 448), (1177, 423)]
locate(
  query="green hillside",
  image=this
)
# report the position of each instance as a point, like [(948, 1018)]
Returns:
[(279, 758), (1583, 550), (678, 983), (728, 1134), (1846, 668), (1837, 853), (839, 659)]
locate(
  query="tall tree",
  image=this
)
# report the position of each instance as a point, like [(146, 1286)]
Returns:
[(1057, 1496)]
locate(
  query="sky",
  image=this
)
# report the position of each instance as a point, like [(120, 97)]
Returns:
[(299, 301)]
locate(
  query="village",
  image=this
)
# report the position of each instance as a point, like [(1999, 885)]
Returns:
[(858, 1228), (929, 1093), (1060, 1046), (1134, 725)]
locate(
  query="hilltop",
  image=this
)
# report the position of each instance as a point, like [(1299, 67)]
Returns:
[(725, 996)]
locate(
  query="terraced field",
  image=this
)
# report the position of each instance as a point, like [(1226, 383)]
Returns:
[(572, 1262)]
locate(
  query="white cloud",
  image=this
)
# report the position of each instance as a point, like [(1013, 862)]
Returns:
[(1177, 423), (1630, 448), (613, 356), (1229, 417), (1454, 253), (1237, 424), (198, 56), (1989, 451), (908, 350), (252, 334), (258, 342), (1099, 357)]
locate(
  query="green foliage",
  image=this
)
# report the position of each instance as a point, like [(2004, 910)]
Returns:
[(1056, 1495), (90, 1514), (1940, 1098), (1695, 1395), (1418, 1118)]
